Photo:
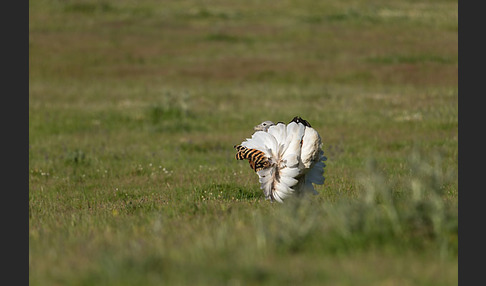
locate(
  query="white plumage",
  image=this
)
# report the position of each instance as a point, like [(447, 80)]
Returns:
[(295, 155)]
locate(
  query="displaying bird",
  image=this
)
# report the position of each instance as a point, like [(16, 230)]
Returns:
[(288, 159)]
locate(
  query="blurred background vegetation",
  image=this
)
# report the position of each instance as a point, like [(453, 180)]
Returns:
[(134, 108)]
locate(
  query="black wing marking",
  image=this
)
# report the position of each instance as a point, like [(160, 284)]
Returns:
[(298, 119)]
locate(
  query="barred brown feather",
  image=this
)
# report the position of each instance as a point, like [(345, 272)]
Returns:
[(256, 158)]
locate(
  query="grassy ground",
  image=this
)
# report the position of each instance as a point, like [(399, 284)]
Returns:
[(134, 108)]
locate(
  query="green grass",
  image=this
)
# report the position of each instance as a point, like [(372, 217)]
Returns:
[(134, 108)]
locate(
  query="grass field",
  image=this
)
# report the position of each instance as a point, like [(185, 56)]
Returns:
[(134, 108)]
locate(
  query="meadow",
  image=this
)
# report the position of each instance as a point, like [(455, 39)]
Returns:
[(134, 108)]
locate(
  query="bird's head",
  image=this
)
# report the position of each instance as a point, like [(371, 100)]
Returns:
[(263, 126)]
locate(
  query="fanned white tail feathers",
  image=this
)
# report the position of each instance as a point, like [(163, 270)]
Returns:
[(262, 141), (296, 158)]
